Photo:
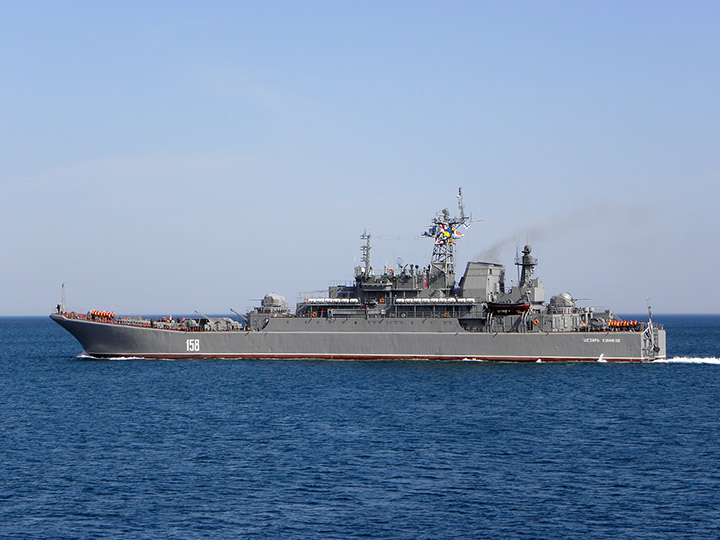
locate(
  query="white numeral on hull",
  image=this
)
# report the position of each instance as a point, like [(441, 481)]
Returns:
[(193, 345)]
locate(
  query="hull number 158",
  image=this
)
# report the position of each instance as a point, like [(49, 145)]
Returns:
[(193, 345)]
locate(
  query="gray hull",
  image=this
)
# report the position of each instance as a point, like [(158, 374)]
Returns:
[(436, 339)]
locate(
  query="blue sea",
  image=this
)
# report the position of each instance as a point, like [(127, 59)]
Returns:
[(342, 450)]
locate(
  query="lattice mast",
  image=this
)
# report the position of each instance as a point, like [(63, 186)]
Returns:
[(445, 230), (365, 269)]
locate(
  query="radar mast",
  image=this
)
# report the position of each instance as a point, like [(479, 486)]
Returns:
[(445, 230), (365, 268)]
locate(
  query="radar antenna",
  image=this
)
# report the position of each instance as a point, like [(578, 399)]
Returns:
[(527, 263)]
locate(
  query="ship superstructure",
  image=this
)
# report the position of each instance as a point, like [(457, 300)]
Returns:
[(404, 312)]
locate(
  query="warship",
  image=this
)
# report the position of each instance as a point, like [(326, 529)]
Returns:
[(408, 312)]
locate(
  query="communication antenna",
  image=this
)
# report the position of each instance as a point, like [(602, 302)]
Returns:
[(461, 206), (62, 301)]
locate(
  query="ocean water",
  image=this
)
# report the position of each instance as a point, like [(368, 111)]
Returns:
[(342, 450)]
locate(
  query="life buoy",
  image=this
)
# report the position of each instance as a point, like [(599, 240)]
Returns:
[(445, 315), (314, 314), (382, 300), (536, 322)]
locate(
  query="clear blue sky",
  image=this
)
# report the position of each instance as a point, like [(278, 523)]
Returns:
[(163, 157)]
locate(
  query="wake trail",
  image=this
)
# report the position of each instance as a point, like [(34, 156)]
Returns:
[(688, 360)]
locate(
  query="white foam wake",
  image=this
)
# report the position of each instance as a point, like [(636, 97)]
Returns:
[(686, 360), (86, 356)]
